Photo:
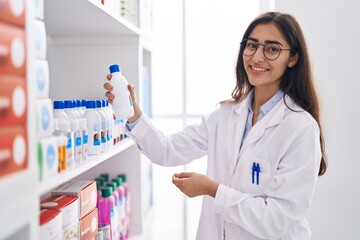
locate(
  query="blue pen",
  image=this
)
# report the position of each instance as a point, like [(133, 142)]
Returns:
[(253, 172), (257, 174)]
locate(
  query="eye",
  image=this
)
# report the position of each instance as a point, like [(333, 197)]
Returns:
[(251, 45), (272, 48)]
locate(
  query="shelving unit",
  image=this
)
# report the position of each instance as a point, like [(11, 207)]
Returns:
[(83, 39)]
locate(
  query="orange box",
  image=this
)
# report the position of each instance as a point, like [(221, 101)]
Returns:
[(13, 12), (13, 149), (13, 100), (50, 224), (84, 190), (89, 225), (12, 50)]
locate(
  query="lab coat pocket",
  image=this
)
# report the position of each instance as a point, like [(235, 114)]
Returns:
[(256, 176)]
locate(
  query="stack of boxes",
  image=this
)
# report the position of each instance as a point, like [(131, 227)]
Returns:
[(48, 153), (13, 90)]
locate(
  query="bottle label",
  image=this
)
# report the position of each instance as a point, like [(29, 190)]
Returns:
[(86, 139), (96, 139), (103, 139)]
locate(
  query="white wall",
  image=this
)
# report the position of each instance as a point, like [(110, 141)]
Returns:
[(333, 35)]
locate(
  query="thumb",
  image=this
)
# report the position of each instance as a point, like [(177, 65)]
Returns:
[(183, 174)]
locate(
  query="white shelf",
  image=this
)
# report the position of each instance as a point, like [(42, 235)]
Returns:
[(48, 184), (84, 18)]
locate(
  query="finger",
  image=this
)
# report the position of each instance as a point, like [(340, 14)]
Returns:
[(184, 174), (132, 92), (108, 86), (108, 77), (109, 95)]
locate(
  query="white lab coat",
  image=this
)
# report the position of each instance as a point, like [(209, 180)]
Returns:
[(285, 144)]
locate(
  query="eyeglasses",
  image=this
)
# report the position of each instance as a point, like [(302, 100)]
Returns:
[(271, 50)]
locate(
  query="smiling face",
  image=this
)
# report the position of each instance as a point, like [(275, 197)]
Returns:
[(263, 73)]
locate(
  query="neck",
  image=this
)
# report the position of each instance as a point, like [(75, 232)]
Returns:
[(261, 96)]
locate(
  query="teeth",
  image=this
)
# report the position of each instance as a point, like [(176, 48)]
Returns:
[(259, 69)]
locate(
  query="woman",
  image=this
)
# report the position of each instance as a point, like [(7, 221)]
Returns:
[(265, 146)]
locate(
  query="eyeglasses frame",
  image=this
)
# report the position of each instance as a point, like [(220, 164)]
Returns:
[(257, 47)]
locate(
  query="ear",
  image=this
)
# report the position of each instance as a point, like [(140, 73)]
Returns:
[(293, 60)]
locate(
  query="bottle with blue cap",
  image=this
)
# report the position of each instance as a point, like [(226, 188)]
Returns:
[(122, 103), (59, 112), (93, 122)]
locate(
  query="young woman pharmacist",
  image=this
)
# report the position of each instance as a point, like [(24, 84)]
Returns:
[(265, 146)]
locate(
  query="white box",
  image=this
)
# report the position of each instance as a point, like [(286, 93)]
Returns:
[(44, 118), (48, 157), (39, 9), (40, 39), (42, 78), (50, 224)]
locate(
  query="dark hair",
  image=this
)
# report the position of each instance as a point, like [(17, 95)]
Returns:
[(297, 81)]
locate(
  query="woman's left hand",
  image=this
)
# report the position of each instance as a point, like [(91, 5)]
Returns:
[(195, 184)]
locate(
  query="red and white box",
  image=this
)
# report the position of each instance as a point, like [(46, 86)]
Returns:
[(84, 190), (89, 225), (40, 39), (13, 100), (12, 50), (69, 206), (13, 12), (13, 149), (50, 224)]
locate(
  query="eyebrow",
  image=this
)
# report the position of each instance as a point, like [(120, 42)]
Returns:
[(266, 41)]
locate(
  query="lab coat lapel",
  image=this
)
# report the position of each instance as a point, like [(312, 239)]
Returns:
[(273, 118)]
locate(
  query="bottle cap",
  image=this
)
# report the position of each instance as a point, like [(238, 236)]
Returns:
[(59, 104), (114, 68), (83, 102), (112, 185), (116, 180), (105, 176), (101, 180), (123, 177), (105, 191), (103, 103), (68, 104), (90, 104), (98, 103), (78, 103)]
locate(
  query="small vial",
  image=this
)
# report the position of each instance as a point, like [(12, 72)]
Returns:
[(77, 146)]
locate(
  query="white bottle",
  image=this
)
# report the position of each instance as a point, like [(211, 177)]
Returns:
[(69, 110), (93, 123), (85, 138), (122, 103), (77, 145), (108, 112), (59, 112), (64, 130), (103, 125)]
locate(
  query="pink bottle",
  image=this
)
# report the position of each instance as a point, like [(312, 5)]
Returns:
[(115, 194), (121, 205), (106, 210), (127, 202)]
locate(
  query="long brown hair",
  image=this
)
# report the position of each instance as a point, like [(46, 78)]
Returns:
[(297, 82)]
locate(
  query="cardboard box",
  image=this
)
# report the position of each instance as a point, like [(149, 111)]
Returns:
[(13, 100), (42, 78), (44, 118), (40, 39), (13, 149), (12, 50), (84, 190), (13, 12), (50, 224), (48, 157), (69, 206), (89, 225)]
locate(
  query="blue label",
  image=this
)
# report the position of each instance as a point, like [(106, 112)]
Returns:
[(78, 141), (96, 142), (45, 118), (40, 78), (50, 157), (69, 144), (86, 139)]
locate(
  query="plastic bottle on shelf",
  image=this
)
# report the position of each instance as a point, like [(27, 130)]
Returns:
[(105, 228), (69, 109), (122, 103), (77, 146), (103, 125), (99, 185), (105, 176), (106, 210), (117, 211), (127, 200), (62, 142), (64, 130), (79, 108), (122, 211), (83, 106), (93, 123), (85, 139), (59, 112), (109, 120)]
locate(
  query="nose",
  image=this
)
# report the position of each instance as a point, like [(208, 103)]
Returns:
[(259, 54)]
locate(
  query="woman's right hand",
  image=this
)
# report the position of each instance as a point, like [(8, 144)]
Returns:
[(110, 97)]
